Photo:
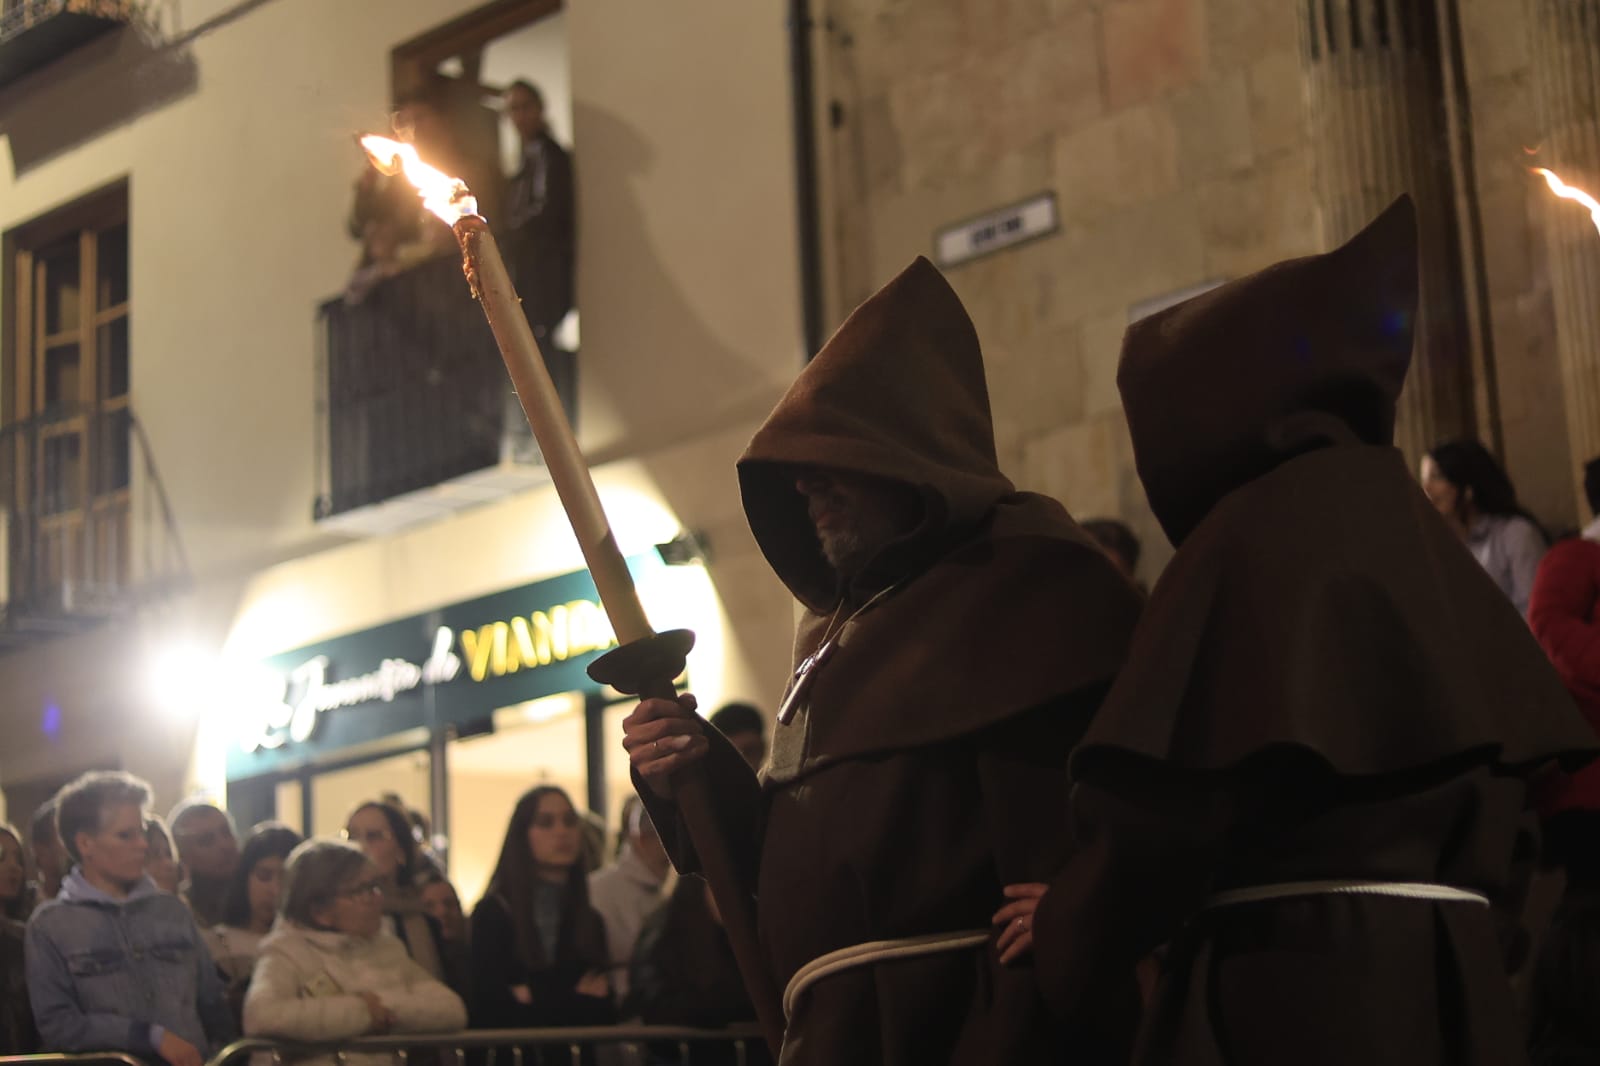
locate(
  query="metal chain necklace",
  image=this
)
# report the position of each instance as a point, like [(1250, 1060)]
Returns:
[(800, 684)]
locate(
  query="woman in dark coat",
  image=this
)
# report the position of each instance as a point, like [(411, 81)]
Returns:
[(1311, 778), (538, 948)]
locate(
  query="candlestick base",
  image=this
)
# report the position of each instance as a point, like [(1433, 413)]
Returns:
[(645, 667)]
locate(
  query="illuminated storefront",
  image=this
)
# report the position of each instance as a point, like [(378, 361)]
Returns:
[(364, 670), (457, 710)]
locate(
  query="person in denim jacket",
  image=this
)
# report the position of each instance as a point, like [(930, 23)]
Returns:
[(113, 963)]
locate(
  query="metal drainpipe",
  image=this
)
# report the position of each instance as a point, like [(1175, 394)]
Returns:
[(1469, 213), (805, 174)]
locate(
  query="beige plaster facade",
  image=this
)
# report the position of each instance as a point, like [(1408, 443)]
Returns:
[(240, 165)]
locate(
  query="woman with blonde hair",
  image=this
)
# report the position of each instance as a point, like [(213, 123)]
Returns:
[(330, 971)]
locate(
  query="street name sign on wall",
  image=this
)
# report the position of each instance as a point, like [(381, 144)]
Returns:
[(995, 230)]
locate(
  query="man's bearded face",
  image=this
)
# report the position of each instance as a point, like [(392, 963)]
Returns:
[(855, 516)]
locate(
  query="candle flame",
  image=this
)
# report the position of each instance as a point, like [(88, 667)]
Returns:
[(447, 197), (1568, 192)]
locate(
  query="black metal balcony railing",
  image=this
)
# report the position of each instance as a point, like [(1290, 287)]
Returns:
[(34, 33), (84, 537), (412, 393)]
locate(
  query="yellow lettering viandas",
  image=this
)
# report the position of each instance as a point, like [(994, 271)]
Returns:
[(542, 636), (560, 632), (522, 653), (477, 646)]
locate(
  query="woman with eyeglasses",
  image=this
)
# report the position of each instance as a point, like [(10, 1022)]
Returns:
[(538, 949), (249, 907), (330, 971), (383, 832), (17, 1033)]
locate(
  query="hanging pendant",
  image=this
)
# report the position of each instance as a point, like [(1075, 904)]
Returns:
[(801, 683)]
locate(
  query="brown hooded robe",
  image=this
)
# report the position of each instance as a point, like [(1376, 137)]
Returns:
[(1324, 686), (926, 763)]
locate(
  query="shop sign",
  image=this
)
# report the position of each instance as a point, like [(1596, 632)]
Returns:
[(452, 665), (287, 705)]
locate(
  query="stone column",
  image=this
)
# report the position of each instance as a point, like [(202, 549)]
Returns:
[(1566, 56), (1375, 101)]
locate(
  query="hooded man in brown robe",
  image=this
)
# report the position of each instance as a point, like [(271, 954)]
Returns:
[(957, 636), (1310, 780)]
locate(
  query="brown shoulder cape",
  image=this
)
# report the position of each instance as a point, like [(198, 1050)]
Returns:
[(1326, 607), (1026, 612)]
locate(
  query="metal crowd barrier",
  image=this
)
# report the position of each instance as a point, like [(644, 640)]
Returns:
[(502, 1047), (89, 1058)]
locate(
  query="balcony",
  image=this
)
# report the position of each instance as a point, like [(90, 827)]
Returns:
[(35, 33), (415, 414), (81, 539)]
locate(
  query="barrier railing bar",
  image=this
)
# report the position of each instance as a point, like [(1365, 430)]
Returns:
[(88, 1058), (514, 1040), (573, 1038)]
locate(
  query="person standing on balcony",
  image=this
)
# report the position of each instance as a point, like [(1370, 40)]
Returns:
[(541, 215), (208, 848), (114, 963), (396, 232)]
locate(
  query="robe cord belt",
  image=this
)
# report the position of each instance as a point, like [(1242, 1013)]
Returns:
[(1292, 889), (875, 951)]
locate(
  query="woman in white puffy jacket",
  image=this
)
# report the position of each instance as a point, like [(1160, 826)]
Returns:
[(329, 971)]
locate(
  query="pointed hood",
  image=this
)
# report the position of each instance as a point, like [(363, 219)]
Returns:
[(1318, 606), (1223, 388), (899, 393), (1012, 605)]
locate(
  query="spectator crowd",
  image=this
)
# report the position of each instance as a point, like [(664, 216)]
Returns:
[(168, 940)]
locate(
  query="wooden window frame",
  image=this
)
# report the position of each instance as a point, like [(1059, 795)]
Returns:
[(100, 516), (412, 61)]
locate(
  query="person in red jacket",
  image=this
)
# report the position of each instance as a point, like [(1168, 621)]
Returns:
[(1564, 613)]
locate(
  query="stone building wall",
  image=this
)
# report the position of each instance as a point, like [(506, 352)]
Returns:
[(1516, 208), (1174, 134)]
